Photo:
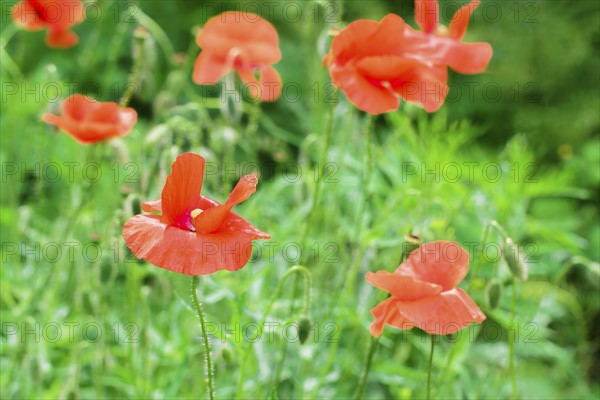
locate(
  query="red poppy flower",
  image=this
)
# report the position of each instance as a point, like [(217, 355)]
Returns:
[(193, 235), (243, 42), (376, 63), (445, 45), (424, 293), (57, 16), (89, 121)]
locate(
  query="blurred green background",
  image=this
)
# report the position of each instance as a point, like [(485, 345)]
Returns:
[(533, 116)]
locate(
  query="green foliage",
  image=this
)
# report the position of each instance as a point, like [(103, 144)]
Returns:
[(141, 336)]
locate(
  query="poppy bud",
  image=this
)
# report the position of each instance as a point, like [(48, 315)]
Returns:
[(493, 293), (513, 257), (303, 328), (132, 205), (227, 355), (411, 242)]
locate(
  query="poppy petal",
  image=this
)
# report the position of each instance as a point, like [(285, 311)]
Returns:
[(152, 206), (181, 192), (460, 21), (469, 58), (250, 34), (402, 287), (61, 38), (209, 69), (443, 263), (25, 15), (443, 314), (427, 14), (386, 313), (183, 251), (362, 93), (426, 87), (209, 220)]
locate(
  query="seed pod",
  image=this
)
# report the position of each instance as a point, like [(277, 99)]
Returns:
[(493, 293), (513, 257), (304, 328)]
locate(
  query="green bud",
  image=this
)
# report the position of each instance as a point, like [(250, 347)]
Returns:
[(514, 258), (304, 327), (493, 293), (227, 355)]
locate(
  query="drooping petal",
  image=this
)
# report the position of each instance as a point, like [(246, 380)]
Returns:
[(443, 314), (386, 313), (25, 15), (61, 38), (267, 87), (443, 263), (427, 14), (212, 218), (460, 20), (468, 58), (250, 34), (183, 251), (181, 193), (362, 93), (209, 69), (152, 206), (402, 287), (425, 86)]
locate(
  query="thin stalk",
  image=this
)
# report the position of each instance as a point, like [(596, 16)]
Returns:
[(511, 342), (159, 34), (319, 184), (351, 275), (367, 367), (132, 86), (430, 367), (207, 357), (307, 285)]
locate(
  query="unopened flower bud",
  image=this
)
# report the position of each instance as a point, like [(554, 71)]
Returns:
[(304, 327), (493, 293), (514, 259)]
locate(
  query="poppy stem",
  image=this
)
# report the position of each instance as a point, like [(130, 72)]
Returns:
[(367, 367), (353, 271), (307, 285), (486, 231), (159, 34), (430, 367), (511, 341), (133, 86), (320, 177), (207, 356)]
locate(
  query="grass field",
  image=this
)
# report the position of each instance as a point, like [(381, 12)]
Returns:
[(83, 318)]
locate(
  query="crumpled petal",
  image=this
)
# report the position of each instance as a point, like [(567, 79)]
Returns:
[(460, 20), (446, 313), (210, 219), (89, 121), (402, 287), (181, 193), (184, 251), (427, 15), (443, 263), (386, 313)]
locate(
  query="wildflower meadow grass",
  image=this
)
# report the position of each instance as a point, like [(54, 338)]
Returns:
[(299, 199)]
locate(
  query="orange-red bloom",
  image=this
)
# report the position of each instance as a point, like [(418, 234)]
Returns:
[(57, 16), (89, 121), (445, 45), (194, 235), (424, 292), (375, 63), (243, 42)]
